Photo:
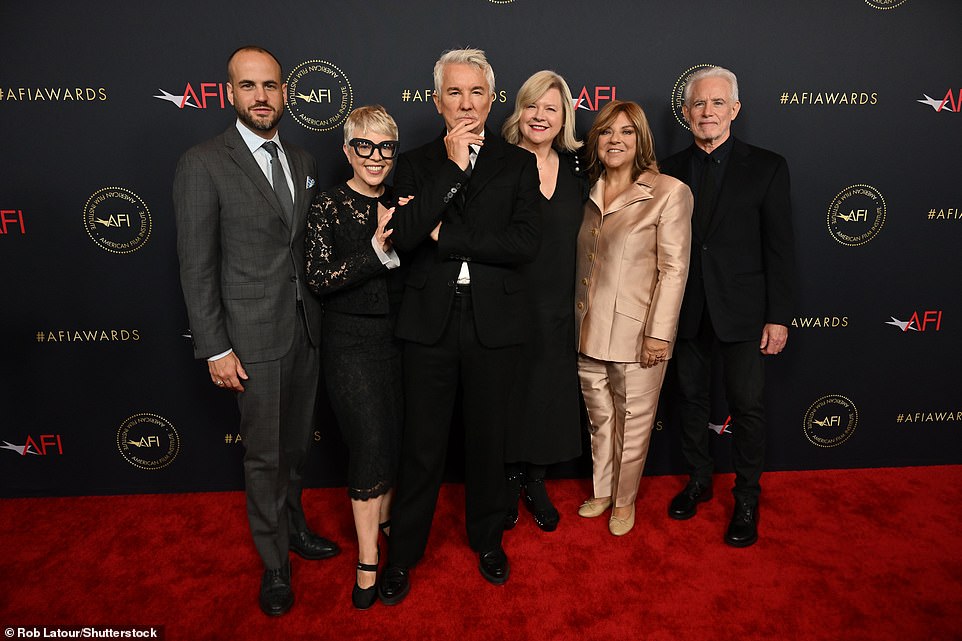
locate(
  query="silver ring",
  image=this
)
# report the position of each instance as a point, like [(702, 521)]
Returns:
[(220, 383)]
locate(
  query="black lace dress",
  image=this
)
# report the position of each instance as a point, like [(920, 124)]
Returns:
[(361, 359)]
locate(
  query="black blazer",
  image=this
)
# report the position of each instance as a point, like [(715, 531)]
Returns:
[(743, 269), (491, 220)]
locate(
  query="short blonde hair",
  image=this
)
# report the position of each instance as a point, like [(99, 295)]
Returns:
[(372, 118), (532, 89), (644, 141), (474, 57)]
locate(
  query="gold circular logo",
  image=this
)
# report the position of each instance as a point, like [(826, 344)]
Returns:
[(885, 5), (117, 219), (856, 215), (148, 441), (830, 421), (319, 95), (678, 92)]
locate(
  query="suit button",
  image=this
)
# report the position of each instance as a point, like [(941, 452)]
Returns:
[(594, 232), (584, 281), (581, 305), (591, 256), (705, 247)]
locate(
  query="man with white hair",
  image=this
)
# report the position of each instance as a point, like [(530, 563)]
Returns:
[(473, 221), (739, 296)]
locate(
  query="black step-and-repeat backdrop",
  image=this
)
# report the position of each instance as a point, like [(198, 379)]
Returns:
[(99, 392)]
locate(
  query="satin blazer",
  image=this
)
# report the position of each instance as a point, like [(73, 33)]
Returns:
[(632, 267)]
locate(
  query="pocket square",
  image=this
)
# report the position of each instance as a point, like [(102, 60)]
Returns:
[(310, 182)]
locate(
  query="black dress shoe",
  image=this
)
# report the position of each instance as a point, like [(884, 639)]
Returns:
[(743, 529), (363, 598), (394, 586), (312, 547), (494, 566), (514, 482), (686, 503), (537, 501), (276, 596)]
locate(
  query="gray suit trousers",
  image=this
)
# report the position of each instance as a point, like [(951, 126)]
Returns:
[(277, 412)]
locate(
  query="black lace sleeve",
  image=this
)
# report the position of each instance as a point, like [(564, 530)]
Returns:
[(338, 242)]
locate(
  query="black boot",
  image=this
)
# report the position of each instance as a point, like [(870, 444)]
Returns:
[(537, 501)]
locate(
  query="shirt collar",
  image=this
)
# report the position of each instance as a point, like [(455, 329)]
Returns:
[(719, 154), (253, 141)]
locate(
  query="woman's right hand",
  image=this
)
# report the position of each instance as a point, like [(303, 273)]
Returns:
[(384, 216)]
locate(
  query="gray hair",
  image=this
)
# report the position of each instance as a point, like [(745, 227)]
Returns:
[(474, 57), (712, 72)]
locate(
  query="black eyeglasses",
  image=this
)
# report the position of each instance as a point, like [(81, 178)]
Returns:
[(365, 148)]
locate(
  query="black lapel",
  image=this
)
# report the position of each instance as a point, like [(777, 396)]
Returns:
[(488, 164)]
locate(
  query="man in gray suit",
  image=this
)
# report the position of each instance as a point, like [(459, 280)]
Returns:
[(241, 202)]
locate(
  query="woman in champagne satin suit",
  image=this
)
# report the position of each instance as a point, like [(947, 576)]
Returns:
[(632, 265)]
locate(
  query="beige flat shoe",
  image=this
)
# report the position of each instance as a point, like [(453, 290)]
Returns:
[(594, 507), (621, 527)]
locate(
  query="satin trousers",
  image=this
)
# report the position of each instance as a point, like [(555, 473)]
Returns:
[(621, 399)]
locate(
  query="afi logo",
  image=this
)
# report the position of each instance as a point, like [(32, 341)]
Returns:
[(316, 95), (919, 322), (206, 95), (828, 421), (600, 94), (854, 216), (38, 446), (951, 102), (116, 220), (146, 441), (11, 217)]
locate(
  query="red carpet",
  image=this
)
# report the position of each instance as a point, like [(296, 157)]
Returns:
[(843, 555)]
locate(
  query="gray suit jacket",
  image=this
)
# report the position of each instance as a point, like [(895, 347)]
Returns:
[(240, 261)]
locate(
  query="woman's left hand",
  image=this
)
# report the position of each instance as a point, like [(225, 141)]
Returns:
[(653, 351)]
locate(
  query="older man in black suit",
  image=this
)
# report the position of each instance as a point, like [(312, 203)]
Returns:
[(474, 219), (241, 202), (739, 294)]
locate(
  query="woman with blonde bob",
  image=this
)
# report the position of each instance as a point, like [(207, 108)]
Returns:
[(351, 266), (632, 267), (545, 407)]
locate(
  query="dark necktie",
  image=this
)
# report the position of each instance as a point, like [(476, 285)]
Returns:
[(281, 189), (472, 158), (705, 202)]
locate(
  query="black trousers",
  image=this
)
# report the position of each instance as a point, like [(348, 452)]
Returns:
[(744, 379), (432, 374)]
